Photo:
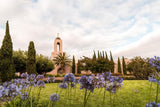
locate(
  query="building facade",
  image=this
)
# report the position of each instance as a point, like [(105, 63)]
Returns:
[(58, 50)]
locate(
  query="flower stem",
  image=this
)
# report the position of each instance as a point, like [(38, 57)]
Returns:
[(104, 97), (157, 93), (150, 94), (85, 97), (110, 99)]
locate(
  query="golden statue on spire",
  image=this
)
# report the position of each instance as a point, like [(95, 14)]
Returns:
[(58, 35)]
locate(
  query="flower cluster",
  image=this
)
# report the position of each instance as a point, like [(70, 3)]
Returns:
[(50, 79), (98, 81), (69, 78), (14, 88), (54, 97), (87, 83), (107, 75), (154, 78), (153, 104), (105, 80), (114, 84), (63, 85), (155, 62)]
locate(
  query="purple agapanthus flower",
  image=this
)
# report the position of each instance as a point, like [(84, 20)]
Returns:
[(40, 84), (69, 78), (116, 79), (152, 78), (24, 75), (63, 85), (99, 81), (50, 79), (155, 62), (54, 97), (107, 75), (113, 86), (39, 77), (152, 104), (31, 77), (87, 83)]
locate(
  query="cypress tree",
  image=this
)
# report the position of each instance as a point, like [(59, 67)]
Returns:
[(94, 60), (7, 68), (78, 67), (112, 63), (106, 56), (103, 55), (98, 55), (124, 66), (119, 66), (73, 65), (31, 59), (94, 56)]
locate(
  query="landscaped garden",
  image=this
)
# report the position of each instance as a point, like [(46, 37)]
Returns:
[(92, 91), (101, 88), (134, 93)]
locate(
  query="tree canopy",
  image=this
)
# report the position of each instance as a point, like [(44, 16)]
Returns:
[(7, 69), (31, 59)]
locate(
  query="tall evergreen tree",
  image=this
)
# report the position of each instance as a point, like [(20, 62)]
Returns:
[(124, 66), (94, 56), (98, 54), (112, 63), (119, 66), (73, 65), (78, 67), (103, 55), (31, 59), (7, 68), (106, 56)]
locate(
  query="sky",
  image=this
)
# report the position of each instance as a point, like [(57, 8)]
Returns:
[(127, 28)]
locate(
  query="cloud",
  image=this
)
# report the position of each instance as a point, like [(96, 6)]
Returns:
[(112, 25), (147, 46)]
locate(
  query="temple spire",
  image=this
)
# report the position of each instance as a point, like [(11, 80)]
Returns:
[(58, 35)]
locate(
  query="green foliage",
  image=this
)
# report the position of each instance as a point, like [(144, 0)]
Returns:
[(73, 65), (49, 75), (94, 56), (7, 69), (119, 66), (102, 65), (140, 67), (62, 60), (106, 56), (19, 59), (124, 66), (79, 67), (103, 56), (31, 59), (43, 64), (98, 54), (98, 65), (112, 63)]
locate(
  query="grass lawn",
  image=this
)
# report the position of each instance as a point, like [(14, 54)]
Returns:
[(134, 93)]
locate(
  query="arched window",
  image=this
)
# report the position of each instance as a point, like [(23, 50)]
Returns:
[(58, 46)]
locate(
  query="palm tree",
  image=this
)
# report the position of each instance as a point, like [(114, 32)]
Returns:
[(62, 60)]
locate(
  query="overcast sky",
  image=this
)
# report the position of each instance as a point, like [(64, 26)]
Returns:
[(126, 27)]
